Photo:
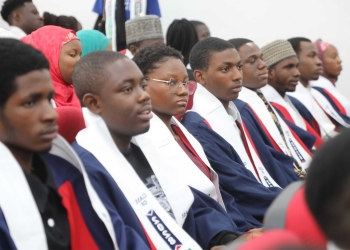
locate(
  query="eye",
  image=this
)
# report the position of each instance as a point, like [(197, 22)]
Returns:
[(172, 82), (72, 55), (144, 85), (252, 61), (29, 104), (127, 90), (225, 69), (239, 67)]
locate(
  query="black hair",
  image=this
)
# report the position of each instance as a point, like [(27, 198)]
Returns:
[(239, 42), (182, 36), (17, 59), (147, 58), (295, 42), (203, 50), (90, 72), (327, 189), (9, 6), (196, 23), (67, 22)]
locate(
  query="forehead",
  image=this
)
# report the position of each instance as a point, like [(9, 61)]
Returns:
[(289, 60), (28, 6), (227, 56), (36, 81), (172, 66), (306, 47), (330, 49), (201, 28), (149, 42), (123, 69), (248, 50), (74, 44)]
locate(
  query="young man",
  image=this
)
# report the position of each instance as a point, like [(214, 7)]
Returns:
[(310, 67), (327, 192), (46, 200), (256, 111), (215, 122), (142, 32), (22, 16), (118, 109), (283, 76)]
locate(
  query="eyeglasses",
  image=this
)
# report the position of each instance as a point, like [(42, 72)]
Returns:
[(175, 85)]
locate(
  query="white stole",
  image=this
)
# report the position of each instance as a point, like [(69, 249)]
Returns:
[(272, 95), (164, 232), (184, 168), (110, 25), (212, 110), (18, 205), (304, 96), (258, 105), (61, 148), (324, 83)]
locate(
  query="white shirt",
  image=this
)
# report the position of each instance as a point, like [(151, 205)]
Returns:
[(17, 32)]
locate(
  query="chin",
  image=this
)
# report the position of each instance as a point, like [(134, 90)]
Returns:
[(315, 78), (142, 130), (179, 111), (43, 149), (292, 89)]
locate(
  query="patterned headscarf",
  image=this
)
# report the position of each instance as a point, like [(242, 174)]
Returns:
[(50, 40), (321, 48)]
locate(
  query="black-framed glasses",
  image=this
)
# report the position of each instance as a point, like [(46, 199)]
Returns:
[(175, 85)]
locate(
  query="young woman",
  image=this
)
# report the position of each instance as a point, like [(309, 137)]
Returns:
[(63, 50), (324, 91), (169, 89), (93, 40)]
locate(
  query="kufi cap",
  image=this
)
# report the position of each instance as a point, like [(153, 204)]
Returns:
[(277, 51), (143, 28)]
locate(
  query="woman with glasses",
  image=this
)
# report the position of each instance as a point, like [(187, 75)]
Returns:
[(169, 88)]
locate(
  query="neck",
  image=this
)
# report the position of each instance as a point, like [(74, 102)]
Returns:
[(225, 104), (280, 91), (122, 142), (304, 82), (23, 157), (166, 119)]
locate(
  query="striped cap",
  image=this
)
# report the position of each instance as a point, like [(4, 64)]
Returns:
[(143, 28), (277, 51)]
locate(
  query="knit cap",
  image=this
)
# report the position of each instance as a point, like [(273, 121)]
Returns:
[(143, 28), (277, 51)]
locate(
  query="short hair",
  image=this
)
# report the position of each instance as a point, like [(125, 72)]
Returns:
[(147, 58), (17, 59), (327, 188), (67, 22), (239, 42), (196, 23), (295, 42), (90, 72), (9, 6), (203, 50), (182, 36)]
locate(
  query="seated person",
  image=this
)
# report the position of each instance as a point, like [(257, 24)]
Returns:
[(169, 88), (215, 122), (119, 109), (44, 197), (256, 110), (326, 189)]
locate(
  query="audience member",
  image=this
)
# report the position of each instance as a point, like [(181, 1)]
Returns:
[(169, 99), (63, 49), (260, 115), (327, 96), (181, 35), (310, 68), (93, 40), (217, 125), (283, 76), (201, 29), (67, 22), (327, 192), (142, 32), (22, 16), (44, 199)]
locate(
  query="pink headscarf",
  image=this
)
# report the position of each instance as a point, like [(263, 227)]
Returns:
[(321, 48), (50, 40)]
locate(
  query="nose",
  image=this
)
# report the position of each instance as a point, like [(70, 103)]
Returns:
[(261, 65), (296, 73), (237, 75), (143, 96), (49, 113), (318, 61), (182, 90)]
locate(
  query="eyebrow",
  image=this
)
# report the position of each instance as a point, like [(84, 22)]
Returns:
[(39, 95), (132, 80)]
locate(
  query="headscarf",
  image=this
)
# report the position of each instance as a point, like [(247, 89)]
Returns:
[(50, 40), (92, 40), (321, 48)]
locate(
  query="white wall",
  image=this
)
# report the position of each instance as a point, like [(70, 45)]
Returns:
[(259, 20)]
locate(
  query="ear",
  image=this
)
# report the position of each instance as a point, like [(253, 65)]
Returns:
[(93, 103), (199, 76), (15, 16), (133, 49), (271, 73)]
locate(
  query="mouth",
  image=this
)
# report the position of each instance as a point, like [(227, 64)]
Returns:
[(237, 88), (182, 102), (50, 134), (320, 71), (293, 82), (264, 75), (145, 113)]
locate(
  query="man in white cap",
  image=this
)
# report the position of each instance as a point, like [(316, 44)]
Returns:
[(142, 32)]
